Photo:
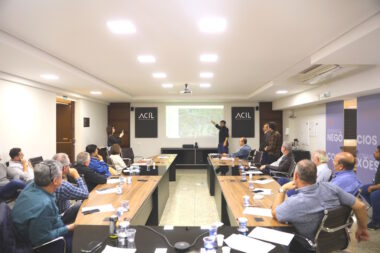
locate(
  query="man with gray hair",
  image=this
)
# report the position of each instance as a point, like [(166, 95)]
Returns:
[(35, 213), (305, 209), (320, 159), (283, 163), (68, 191), (91, 178)]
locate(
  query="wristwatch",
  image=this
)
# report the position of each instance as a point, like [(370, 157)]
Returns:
[(281, 190)]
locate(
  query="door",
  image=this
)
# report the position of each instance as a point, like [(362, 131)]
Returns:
[(65, 128)]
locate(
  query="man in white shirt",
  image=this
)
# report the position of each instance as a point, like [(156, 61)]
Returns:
[(19, 168), (320, 159)]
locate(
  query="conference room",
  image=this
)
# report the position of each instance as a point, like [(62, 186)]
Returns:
[(190, 126)]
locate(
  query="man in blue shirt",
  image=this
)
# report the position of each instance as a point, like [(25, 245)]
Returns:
[(96, 163), (305, 209), (345, 176), (244, 150), (68, 191), (35, 213)]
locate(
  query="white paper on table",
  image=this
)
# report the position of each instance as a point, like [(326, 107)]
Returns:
[(113, 180), (272, 235), (108, 191), (163, 157), (247, 244), (161, 250), (102, 208), (227, 158), (140, 164), (265, 181), (110, 249), (254, 172), (257, 211), (264, 191), (205, 227), (168, 227)]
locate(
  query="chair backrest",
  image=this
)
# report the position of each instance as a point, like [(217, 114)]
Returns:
[(258, 157), (35, 160), (127, 153), (292, 167), (251, 154), (332, 233)]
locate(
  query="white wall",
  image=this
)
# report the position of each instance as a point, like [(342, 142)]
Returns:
[(298, 129), (152, 146), (27, 120), (96, 133)]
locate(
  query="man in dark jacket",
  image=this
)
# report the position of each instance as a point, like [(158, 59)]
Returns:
[(283, 163), (91, 178), (274, 143)]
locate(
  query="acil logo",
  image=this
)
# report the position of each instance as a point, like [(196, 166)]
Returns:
[(146, 115), (243, 115)]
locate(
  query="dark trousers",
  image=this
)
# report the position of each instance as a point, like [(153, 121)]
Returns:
[(12, 189), (222, 149), (70, 214), (373, 198)]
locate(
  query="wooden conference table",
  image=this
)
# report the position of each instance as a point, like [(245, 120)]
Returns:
[(147, 197)]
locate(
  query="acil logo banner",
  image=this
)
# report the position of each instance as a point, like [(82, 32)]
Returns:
[(243, 115), (146, 116)]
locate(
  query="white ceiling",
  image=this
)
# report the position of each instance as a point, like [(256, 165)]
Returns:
[(263, 39)]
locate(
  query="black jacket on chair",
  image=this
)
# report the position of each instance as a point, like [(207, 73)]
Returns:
[(284, 165), (91, 178)]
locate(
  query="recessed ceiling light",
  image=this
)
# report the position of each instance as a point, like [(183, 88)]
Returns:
[(159, 75), (121, 26), (146, 58), (167, 85), (212, 24), (206, 75), (281, 92), (208, 57), (49, 77), (205, 85), (95, 92)]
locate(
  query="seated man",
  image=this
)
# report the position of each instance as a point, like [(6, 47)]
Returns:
[(371, 192), (244, 150), (96, 163), (320, 159), (9, 189), (345, 176), (35, 213), (19, 168), (283, 163), (68, 191), (305, 209), (91, 178)]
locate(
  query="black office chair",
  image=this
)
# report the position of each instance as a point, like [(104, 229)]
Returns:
[(289, 174), (10, 241), (104, 153), (35, 160), (251, 155), (257, 158), (128, 155), (332, 234)]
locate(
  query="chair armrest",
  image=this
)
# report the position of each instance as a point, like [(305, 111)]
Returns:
[(60, 239), (278, 173)]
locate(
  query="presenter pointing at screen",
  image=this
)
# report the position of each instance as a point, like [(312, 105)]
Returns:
[(223, 136)]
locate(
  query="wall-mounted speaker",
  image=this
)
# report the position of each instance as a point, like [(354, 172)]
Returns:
[(132, 109), (257, 108)]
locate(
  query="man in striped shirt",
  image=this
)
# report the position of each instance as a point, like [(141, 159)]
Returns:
[(68, 191)]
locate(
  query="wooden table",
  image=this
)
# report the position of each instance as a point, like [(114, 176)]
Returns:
[(143, 207), (162, 165), (222, 166), (229, 192)]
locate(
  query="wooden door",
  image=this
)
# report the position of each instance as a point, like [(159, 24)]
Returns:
[(65, 129)]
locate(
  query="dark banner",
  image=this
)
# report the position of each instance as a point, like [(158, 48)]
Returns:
[(334, 130), (146, 122), (243, 122)]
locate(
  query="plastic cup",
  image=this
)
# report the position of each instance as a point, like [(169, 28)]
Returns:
[(209, 243), (251, 185), (242, 224), (246, 200), (131, 233), (226, 249), (220, 239), (125, 205)]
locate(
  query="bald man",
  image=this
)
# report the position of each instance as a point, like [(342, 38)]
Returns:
[(345, 176)]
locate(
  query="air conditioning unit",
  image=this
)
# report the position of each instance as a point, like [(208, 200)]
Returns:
[(318, 73)]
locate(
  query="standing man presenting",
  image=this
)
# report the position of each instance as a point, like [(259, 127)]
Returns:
[(223, 136)]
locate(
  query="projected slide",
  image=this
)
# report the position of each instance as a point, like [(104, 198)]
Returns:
[(192, 121)]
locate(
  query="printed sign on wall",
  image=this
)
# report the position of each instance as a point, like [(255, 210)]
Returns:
[(334, 130), (243, 122), (368, 133), (146, 122)]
